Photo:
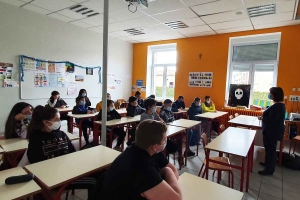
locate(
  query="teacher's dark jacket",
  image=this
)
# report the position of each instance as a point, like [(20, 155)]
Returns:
[(273, 122)]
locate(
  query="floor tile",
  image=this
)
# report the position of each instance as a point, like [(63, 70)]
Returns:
[(273, 180), (271, 190), (291, 187), (250, 195), (83, 194), (291, 178), (263, 196), (288, 195)]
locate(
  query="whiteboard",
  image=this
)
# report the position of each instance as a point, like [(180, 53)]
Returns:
[(28, 90)]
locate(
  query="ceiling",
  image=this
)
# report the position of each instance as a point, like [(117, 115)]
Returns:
[(203, 17)]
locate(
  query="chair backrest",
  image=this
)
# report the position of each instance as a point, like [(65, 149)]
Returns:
[(236, 114), (222, 127), (204, 139), (24, 161), (230, 117)]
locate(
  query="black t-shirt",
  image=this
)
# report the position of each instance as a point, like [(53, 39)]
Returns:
[(132, 173)]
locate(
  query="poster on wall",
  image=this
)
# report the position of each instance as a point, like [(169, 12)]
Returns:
[(70, 68), (41, 66), (6, 70), (89, 71), (239, 95), (8, 83), (60, 68), (72, 89), (28, 64), (53, 80), (41, 80), (111, 81), (200, 79), (51, 67), (79, 78), (139, 83), (62, 80)]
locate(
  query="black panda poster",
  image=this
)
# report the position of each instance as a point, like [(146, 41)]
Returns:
[(239, 95)]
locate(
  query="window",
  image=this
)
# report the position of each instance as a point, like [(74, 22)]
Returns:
[(162, 71), (254, 63)]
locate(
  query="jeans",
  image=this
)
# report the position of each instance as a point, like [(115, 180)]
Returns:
[(84, 126)]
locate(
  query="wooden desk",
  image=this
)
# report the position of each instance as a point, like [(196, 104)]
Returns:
[(122, 112), (13, 149), (72, 137), (16, 191), (211, 116), (234, 141), (194, 187), (64, 110), (180, 113), (61, 171), (188, 125)]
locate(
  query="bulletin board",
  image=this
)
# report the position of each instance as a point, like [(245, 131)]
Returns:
[(38, 78), (200, 79)]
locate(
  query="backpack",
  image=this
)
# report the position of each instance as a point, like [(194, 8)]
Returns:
[(290, 161)]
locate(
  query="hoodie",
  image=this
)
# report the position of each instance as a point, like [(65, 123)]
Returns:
[(57, 103), (111, 115), (194, 110), (166, 115), (79, 109), (134, 110)]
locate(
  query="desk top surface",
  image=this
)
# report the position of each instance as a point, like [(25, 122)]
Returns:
[(13, 145), (212, 115), (173, 130), (185, 123)]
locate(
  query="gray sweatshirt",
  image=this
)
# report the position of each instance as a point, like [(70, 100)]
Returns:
[(145, 116)]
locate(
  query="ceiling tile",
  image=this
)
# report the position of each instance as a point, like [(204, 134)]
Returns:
[(175, 15), (142, 21), (225, 16), (26, 1), (281, 17), (71, 14), (113, 35), (287, 6), (247, 28), (13, 2), (193, 22), (98, 29), (253, 3), (160, 6), (156, 28), (133, 41), (278, 24), (60, 17), (195, 29), (218, 6), (122, 33), (124, 14), (96, 20), (231, 24), (53, 5), (81, 24), (118, 26), (196, 2), (36, 9), (98, 5), (79, 1), (158, 35), (200, 34)]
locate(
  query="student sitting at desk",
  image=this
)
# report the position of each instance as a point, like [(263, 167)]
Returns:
[(111, 115), (209, 106), (195, 109), (133, 109), (138, 95), (142, 171), (179, 103), (83, 93), (167, 115), (56, 102), (18, 120), (81, 108), (46, 142), (99, 105)]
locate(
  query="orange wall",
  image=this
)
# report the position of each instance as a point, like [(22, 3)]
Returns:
[(214, 51)]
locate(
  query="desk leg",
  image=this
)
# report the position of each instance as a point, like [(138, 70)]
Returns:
[(211, 121), (280, 152), (71, 125), (242, 175), (207, 163), (219, 171), (180, 152), (199, 135), (186, 146), (249, 165), (96, 134)]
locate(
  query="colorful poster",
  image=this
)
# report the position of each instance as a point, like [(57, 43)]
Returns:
[(41, 66), (89, 71), (200, 79), (62, 80), (60, 68), (51, 67), (9, 71), (111, 81), (139, 83), (79, 78), (70, 68), (53, 80), (41, 80), (118, 82), (2, 71), (8, 83), (72, 89), (143, 89), (28, 64), (6, 70)]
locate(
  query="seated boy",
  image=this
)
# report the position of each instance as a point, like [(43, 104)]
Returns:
[(81, 108), (111, 115), (142, 171), (99, 105), (195, 109), (178, 105), (209, 106), (138, 95), (167, 115)]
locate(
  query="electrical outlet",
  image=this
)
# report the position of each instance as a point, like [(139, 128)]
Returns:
[(293, 89), (294, 98), (298, 89)]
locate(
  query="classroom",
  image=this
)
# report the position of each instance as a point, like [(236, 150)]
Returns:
[(150, 99)]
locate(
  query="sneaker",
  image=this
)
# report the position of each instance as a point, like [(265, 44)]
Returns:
[(190, 153), (118, 148), (265, 173)]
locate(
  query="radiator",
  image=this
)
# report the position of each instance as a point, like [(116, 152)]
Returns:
[(232, 111)]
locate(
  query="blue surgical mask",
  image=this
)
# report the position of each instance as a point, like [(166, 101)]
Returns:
[(164, 146), (83, 94), (169, 108), (82, 103), (111, 108), (29, 117), (269, 96)]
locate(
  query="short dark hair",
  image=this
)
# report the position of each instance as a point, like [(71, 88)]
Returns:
[(152, 96), (54, 93), (132, 99), (197, 99), (137, 93), (82, 91), (149, 132), (277, 93), (168, 101), (109, 102), (207, 97), (79, 98), (180, 97), (149, 102)]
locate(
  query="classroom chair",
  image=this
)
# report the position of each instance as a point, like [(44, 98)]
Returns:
[(215, 166), (222, 129), (75, 125), (121, 103), (295, 140), (236, 114)]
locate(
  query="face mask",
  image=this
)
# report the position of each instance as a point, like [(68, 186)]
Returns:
[(83, 94), (207, 101), (29, 117), (111, 108), (154, 109), (269, 96), (164, 146), (55, 125), (82, 103), (169, 108)]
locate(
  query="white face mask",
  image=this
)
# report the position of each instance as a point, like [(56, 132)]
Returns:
[(153, 109), (55, 125)]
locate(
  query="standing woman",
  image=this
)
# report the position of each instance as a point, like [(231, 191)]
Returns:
[(272, 129), (56, 102), (18, 120), (83, 93)]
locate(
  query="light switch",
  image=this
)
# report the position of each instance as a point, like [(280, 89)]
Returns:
[(294, 89)]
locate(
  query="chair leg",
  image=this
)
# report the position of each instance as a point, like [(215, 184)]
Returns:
[(204, 172), (232, 182), (229, 178), (73, 191), (294, 146), (200, 170), (291, 143), (67, 195), (214, 172)]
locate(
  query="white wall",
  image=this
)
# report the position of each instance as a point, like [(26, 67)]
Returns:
[(24, 32)]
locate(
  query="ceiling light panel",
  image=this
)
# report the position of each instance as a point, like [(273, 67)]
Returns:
[(261, 10), (176, 25)]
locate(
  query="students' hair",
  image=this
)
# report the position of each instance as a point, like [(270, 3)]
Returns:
[(137, 93), (52, 95), (40, 113), (149, 132), (107, 94), (109, 102), (82, 91), (152, 96), (148, 103), (78, 98), (167, 101), (132, 99), (277, 93), (207, 97), (10, 125), (180, 97), (197, 99)]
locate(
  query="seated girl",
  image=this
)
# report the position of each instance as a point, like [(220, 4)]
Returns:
[(111, 115), (18, 120), (46, 142), (56, 102), (82, 108), (83, 93)]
